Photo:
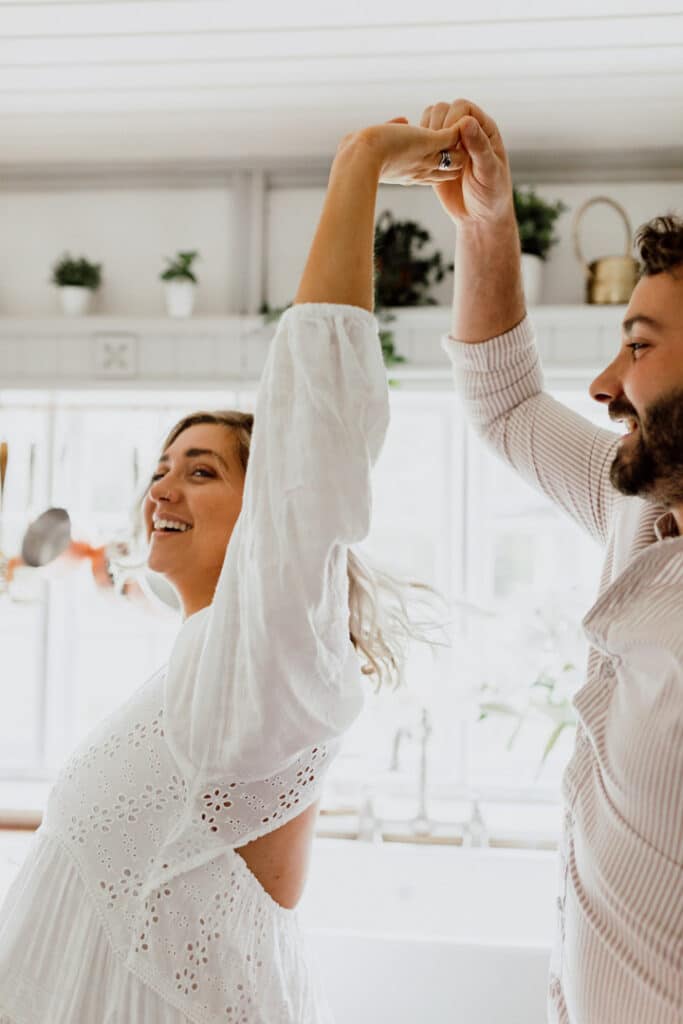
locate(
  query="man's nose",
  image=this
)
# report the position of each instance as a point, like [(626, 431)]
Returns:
[(607, 385)]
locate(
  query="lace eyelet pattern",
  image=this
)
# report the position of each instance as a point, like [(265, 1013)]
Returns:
[(156, 850)]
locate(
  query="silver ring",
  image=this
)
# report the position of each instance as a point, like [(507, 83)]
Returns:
[(445, 163)]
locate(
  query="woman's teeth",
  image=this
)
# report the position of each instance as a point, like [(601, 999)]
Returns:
[(168, 524)]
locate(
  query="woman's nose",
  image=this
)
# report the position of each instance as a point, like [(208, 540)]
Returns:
[(163, 489)]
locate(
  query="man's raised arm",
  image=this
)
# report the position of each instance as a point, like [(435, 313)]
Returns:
[(492, 344), (488, 299)]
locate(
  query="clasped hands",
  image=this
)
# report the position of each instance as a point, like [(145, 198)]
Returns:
[(477, 187)]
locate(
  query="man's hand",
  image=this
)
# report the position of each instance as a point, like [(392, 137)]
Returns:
[(488, 298), (482, 192)]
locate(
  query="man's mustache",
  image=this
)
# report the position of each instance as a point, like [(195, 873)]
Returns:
[(619, 408)]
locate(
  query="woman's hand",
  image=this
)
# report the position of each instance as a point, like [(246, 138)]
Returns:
[(408, 155), (482, 192)]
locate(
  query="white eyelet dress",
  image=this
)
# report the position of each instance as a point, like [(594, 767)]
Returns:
[(132, 906)]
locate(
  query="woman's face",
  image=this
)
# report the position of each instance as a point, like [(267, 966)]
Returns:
[(191, 509)]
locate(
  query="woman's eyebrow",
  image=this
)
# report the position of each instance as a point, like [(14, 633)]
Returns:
[(192, 453)]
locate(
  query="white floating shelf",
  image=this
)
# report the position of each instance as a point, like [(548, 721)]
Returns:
[(212, 352)]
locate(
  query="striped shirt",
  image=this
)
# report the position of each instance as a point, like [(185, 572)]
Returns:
[(618, 955)]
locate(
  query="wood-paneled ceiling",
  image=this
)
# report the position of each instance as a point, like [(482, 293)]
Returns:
[(165, 80)]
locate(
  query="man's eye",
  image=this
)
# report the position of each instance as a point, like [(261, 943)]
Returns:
[(636, 346)]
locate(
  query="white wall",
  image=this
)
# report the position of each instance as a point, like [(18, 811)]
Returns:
[(131, 230)]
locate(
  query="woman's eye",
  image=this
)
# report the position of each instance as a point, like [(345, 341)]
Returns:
[(155, 477), (204, 472)]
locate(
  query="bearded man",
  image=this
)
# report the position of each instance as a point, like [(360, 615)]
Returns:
[(618, 956)]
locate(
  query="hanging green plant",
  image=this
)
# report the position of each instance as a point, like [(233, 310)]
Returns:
[(386, 337), (272, 313), (404, 276)]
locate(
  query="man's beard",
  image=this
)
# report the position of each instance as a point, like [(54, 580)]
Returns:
[(652, 464)]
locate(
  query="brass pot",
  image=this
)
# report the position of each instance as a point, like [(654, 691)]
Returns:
[(611, 279)]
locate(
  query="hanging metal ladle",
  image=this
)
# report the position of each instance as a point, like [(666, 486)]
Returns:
[(47, 537), (44, 540)]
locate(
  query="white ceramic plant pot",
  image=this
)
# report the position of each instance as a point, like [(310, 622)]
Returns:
[(180, 297), (74, 300), (532, 278)]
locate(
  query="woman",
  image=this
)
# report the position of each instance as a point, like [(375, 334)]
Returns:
[(161, 885)]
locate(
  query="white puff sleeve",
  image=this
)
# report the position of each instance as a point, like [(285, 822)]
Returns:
[(268, 668)]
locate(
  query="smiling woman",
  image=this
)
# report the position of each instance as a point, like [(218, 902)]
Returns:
[(197, 488), (162, 881)]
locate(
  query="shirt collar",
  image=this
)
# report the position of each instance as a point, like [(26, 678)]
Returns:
[(665, 526)]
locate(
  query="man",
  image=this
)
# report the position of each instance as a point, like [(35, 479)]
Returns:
[(619, 951)]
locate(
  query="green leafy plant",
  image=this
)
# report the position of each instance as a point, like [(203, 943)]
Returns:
[(533, 670), (386, 337), (546, 697), (536, 221), (76, 273), (403, 274), (272, 313), (403, 277), (180, 267)]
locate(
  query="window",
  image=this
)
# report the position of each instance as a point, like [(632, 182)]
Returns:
[(516, 577)]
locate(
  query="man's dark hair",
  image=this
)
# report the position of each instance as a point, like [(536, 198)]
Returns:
[(660, 245)]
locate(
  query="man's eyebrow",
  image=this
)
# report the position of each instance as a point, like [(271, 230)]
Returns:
[(631, 321), (192, 453)]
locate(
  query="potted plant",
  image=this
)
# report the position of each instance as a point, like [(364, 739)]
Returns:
[(180, 284), (536, 222), (404, 275), (76, 280)]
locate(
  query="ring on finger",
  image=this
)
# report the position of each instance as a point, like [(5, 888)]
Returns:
[(445, 163)]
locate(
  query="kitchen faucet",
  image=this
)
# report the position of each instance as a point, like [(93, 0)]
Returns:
[(420, 823)]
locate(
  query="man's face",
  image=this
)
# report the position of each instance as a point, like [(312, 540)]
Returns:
[(643, 387)]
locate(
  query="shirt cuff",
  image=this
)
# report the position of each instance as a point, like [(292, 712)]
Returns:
[(324, 310), (497, 353)]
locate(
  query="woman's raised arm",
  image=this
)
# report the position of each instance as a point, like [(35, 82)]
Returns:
[(339, 268), (269, 668)]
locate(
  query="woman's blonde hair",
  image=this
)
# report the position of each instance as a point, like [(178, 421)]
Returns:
[(380, 622)]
